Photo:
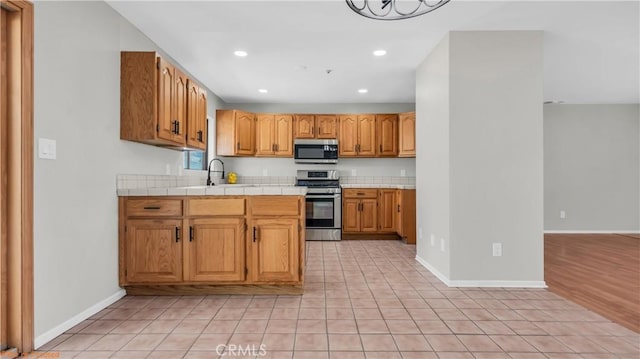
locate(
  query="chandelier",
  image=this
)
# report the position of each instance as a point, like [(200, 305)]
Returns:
[(394, 9)]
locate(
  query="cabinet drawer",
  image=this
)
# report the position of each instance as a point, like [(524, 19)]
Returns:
[(154, 207), (360, 193), (215, 207), (274, 206)]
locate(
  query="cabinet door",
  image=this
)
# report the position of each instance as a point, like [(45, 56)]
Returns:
[(275, 256), (348, 136), (180, 106), (407, 134), (192, 115), (216, 251), (366, 135), (244, 133), (153, 250), (350, 215), (387, 210), (326, 126), (265, 145), (408, 209), (202, 131), (387, 135), (283, 135), (166, 93), (369, 214), (399, 227), (305, 126)]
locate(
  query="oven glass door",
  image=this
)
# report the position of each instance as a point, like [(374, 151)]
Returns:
[(320, 212)]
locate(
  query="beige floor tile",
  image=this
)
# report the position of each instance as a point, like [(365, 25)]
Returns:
[(432, 327), (445, 343), (131, 327), (346, 355), (378, 343), (252, 326), (311, 326), (402, 327), (311, 342), (177, 341), (111, 342), (161, 326), (166, 354), (344, 326), (78, 342), (382, 355), (345, 342), (372, 326), (144, 342), (131, 354), (310, 355), (102, 326), (513, 343), (209, 342), (494, 327), (411, 342), (479, 343), (221, 326), (463, 327), (546, 344), (277, 341), (281, 326)]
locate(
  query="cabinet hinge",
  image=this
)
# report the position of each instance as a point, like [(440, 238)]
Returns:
[(158, 64), (125, 272), (125, 228), (157, 128)]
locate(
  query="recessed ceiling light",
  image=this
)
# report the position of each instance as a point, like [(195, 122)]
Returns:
[(363, 90), (240, 53), (262, 90), (379, 52)]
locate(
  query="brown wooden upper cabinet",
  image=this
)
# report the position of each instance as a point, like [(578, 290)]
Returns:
[(196, 116), (387, 135), (155, 104), (357, 136), (274, 135), (235, 133), (316, 126), (407, 134)]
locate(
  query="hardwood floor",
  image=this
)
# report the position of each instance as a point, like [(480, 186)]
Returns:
[(598, 271)]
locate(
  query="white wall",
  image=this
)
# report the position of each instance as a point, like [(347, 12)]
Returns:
[(496, 155), (592, 167), (253, 166), (77, 93), (432, 154), (486, 152)]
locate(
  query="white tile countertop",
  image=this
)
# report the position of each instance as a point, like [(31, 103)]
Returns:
[(379, 185), (217, 190)]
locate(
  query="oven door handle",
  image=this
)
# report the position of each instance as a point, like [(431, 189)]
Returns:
[(311, 195)]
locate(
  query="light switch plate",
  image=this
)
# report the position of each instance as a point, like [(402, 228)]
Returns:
[(46, 149)]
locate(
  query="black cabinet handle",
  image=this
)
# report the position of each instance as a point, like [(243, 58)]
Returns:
[(199, 136), (255, 230), (380, 148), (398, 208), (151, 207), (177, 234), (177, 127), (238, 146), (191, 233), (360, 193)]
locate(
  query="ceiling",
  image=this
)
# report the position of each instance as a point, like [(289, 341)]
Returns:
[(321, 51)]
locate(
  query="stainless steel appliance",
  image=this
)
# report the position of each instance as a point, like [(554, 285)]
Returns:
[(315, 151), (323, 204)]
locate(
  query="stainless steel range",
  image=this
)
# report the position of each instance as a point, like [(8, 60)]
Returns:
[(323, 204)]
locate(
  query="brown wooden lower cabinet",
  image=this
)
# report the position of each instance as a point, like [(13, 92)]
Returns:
[(371, 213), (154, 251), (212, 244)]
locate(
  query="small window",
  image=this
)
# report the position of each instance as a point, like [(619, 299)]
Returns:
[(195, 160)]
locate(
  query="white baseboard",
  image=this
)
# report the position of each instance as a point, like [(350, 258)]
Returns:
[(46, 337), (553, 231), (480, 283), (443, 278)]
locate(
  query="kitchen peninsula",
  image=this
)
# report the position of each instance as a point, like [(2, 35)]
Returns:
[(229, 239)]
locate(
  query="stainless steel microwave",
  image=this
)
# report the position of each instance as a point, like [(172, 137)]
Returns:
[(315, 151)]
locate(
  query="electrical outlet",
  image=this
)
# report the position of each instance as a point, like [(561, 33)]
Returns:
[(420, 232), (265, 172), (563, 214), (442, 248), (167, 169), (433, 240), (403, 173), (354, 172), (497, 249)]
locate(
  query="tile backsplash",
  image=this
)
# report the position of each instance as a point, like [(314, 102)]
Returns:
[(128, 181)]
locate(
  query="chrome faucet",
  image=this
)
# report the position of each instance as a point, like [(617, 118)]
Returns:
[(209, 181)]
